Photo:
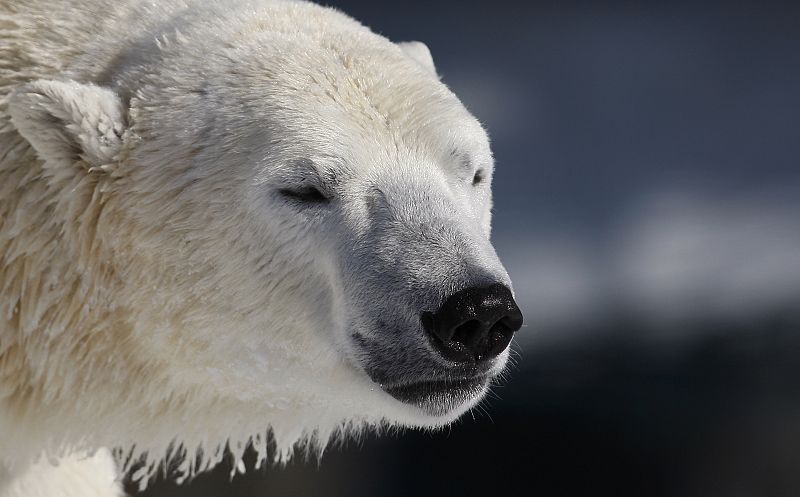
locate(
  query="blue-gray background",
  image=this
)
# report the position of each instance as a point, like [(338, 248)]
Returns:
[(647, 206)]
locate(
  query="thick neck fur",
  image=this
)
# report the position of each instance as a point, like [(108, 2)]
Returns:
[(74, 303)]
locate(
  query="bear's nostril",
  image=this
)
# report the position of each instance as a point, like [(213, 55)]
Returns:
[(475, 324), (467, 333), (500, 336)]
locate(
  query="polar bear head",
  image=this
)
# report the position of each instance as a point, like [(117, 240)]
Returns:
[(295, 222)]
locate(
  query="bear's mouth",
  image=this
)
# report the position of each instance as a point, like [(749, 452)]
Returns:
[(438, 397)]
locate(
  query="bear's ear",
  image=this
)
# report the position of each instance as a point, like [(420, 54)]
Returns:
[(419, 52), (66, 120)]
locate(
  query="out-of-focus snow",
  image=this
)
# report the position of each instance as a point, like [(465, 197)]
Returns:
[(679, 259)]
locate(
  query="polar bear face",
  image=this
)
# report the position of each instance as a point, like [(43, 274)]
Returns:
[(396, 223), (370, 184), (302, 221)]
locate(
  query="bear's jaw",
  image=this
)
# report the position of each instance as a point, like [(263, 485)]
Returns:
[(441, 398)]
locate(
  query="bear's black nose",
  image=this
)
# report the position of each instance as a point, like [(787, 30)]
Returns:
[(474, 324)]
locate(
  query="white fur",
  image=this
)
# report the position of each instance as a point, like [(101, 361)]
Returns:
[(156, 291), (73, 475)]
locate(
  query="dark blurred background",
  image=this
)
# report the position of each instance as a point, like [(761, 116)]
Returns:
[(647, 206)]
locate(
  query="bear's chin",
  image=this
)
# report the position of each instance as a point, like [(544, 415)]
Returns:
[(442, 400)]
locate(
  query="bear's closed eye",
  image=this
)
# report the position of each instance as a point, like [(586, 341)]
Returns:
[(305, 194)]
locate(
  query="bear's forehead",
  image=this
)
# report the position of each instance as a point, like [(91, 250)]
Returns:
[(375, 98), (354, 77), (319, 81)]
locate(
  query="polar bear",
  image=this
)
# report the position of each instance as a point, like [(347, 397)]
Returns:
[(226, 223)]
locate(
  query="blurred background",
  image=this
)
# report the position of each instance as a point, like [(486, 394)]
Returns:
[(647, 207)]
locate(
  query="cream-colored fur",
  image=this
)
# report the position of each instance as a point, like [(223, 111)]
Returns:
[(76, 475), (154, 293)]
